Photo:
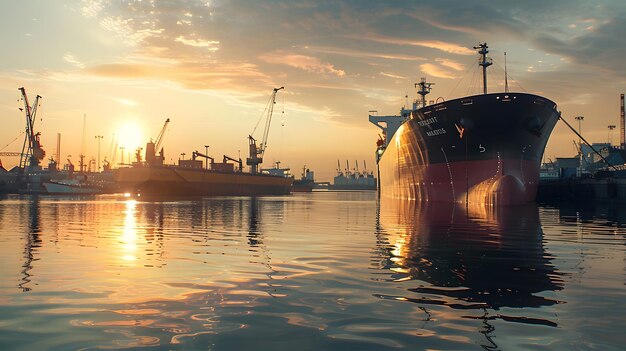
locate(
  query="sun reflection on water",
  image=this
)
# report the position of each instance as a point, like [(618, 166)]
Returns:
[(128, 239)]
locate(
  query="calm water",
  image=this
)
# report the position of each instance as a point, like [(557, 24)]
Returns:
[(321, 271)]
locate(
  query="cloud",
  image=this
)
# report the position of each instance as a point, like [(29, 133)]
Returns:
[(128, 32), (120, 70), (391, 75), (307, 63), (436, 71), (70, 58), (451, 64), (125, 102), (199, 76), (233, 46), (211, 45), (365, 54), (601, 48), (451, 48)]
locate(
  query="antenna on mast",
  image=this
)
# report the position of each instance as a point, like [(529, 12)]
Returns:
[(81, 164), (484, 61), (506, 76), (424, 89)]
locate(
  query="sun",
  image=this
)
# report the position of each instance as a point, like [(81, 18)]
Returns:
[(130, 136)]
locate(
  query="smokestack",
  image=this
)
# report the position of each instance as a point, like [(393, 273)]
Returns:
[(58, 155), (622, 122)]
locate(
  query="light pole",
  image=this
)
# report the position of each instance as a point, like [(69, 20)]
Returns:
[(122, 148), (99, 137), (580, 149), (206, 153), (579, 119), (611, 127), (183, 155)]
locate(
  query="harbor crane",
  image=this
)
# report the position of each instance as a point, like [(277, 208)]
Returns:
[(152, 147), (32, 152), (257, 152), (159, 138)]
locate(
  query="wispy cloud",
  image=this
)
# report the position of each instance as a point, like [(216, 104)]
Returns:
[(125, 29), (125, 102), (365, 54), (121, 70), (211, 45), (307, 63), (392, 75), (436, 71), (451, 48), (451, 64), (70, 58)]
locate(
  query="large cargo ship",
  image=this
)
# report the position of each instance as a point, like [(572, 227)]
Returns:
[(191, 177), (476, 149), (182, 180)]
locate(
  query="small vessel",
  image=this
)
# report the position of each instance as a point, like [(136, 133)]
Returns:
[(70, 186), (306, 183), (190, 177), (476, 149)]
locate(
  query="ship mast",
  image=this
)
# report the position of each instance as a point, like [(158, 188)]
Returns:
[(484, 62), (424, 89)]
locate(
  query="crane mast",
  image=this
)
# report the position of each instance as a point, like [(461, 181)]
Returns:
[(151, 147), (32, 152), (257, 152)]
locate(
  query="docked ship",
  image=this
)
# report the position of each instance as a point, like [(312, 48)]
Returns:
[(477, 149), (354, 179), (191, 177), (306, 183)]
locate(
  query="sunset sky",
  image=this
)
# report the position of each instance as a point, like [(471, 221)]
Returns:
[(210, 66)]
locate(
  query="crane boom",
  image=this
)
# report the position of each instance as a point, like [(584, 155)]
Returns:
[(159, 139), (197, 154), (268, 122), (238, 161), (256, 153), (32, 153)]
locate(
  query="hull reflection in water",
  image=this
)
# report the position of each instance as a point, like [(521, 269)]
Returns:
[(468, 258)]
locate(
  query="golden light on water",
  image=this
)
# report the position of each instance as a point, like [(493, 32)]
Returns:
[(128, 239)]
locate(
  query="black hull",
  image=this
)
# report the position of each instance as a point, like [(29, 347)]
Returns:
[(484, 149)]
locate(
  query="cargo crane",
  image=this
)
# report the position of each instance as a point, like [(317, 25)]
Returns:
[(32, 153), (257, 152), (196, 154), (151, 147), (227, 158), (69, 166)]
